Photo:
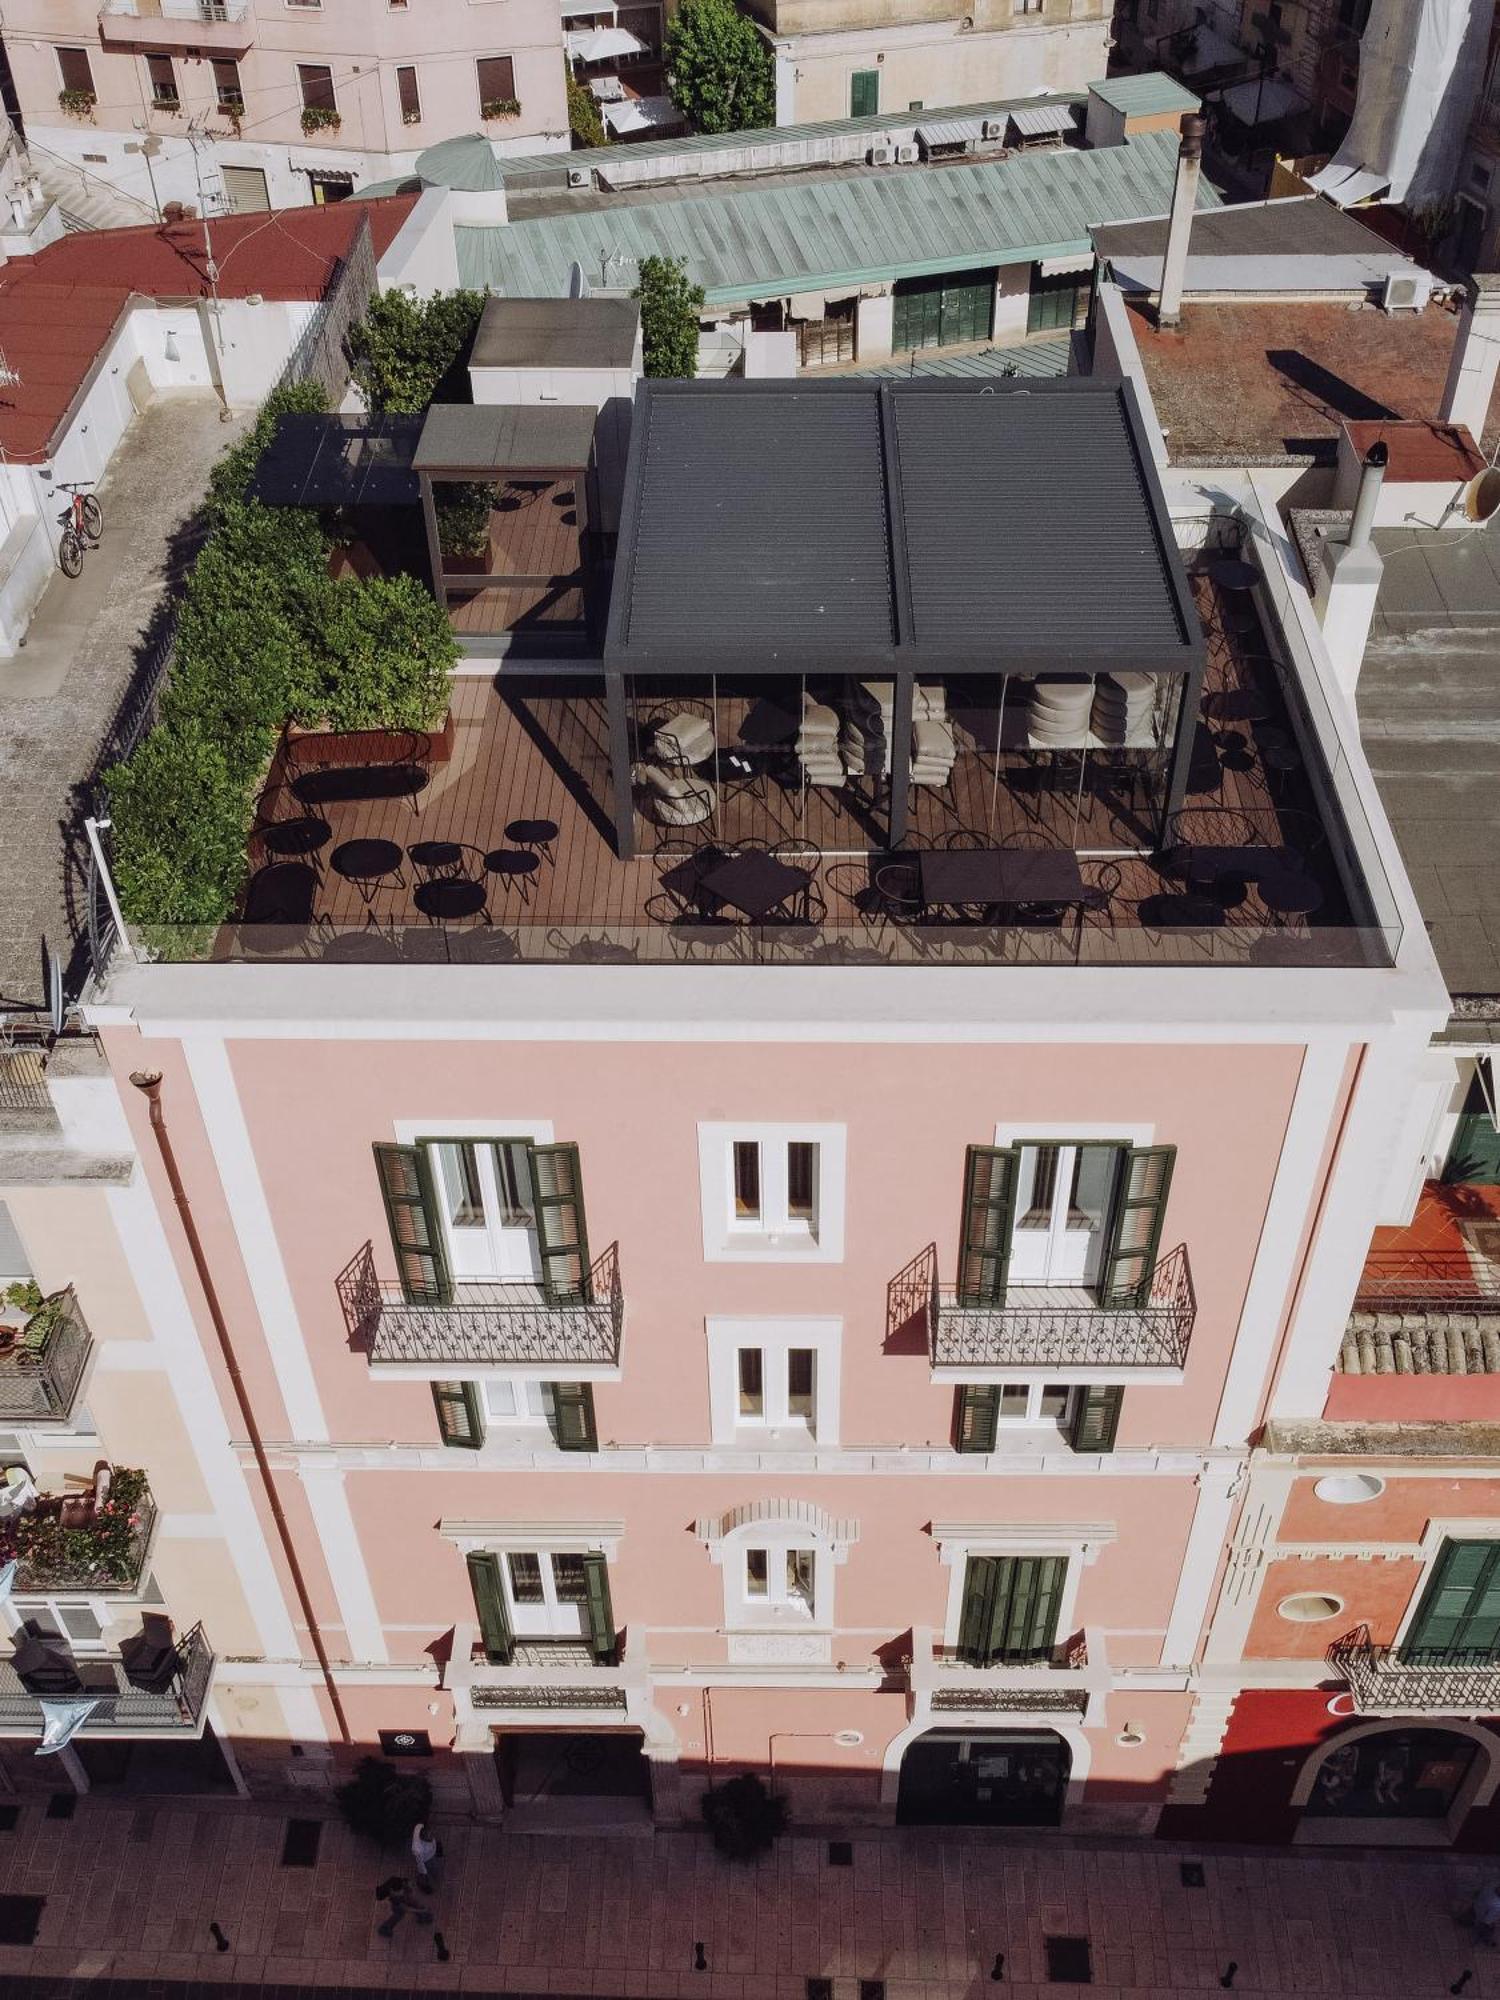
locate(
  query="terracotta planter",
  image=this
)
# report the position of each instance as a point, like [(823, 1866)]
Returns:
[(312, 749)]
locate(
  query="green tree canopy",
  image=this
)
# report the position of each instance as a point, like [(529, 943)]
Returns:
[(405, 350), (669, 317), (719, 69)]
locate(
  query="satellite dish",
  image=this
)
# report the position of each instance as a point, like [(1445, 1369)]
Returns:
[(1481, 497), (578, 284)]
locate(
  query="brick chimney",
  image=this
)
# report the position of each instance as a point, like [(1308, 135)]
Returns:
[(1180, 222)]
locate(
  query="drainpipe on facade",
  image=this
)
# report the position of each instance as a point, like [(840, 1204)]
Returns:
[(148, 1082)]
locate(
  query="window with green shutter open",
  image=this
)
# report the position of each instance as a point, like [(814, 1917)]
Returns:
[(1084, 1215)]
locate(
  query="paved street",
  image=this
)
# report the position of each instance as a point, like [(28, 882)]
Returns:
[(131, 1890), (89, 643)]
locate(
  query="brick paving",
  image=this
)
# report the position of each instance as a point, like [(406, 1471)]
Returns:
[(87, 645), (132, 1889)]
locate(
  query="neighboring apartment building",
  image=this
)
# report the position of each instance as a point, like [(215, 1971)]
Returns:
[(296, 101), (851, 58), (1348, 1689), (804, 1310)]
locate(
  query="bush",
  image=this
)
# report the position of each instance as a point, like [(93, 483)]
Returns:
[(743, 1817), (383, 1803), (584, 120), (264, 636), (669, 317), (463, 516), (405, 350), (720, 72)]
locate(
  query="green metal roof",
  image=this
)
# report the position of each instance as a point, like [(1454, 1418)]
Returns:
[(517, 167), (1036, 359), (810, 232), (1144, 96)]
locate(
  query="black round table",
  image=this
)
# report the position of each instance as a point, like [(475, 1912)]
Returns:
[(368, 863), (1290, 894), (534, 833), (438, 857), (513, 865), (449, 898), (1190, 912), (1231, 573), (296, 839)]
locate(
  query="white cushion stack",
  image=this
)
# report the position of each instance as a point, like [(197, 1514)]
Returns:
[(818, 744), (1057, 716), (1123, 708)]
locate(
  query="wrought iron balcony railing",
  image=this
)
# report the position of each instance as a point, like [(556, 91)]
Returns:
[(42, 1364), (488, 1323), (1035, 1331), (1383, 1681), (173, 1701), (1077, 1679), (1407, 1280)]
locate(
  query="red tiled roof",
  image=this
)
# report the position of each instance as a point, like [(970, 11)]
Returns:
[(59, 308)]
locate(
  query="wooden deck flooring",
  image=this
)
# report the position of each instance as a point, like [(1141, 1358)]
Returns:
[(538, 750)]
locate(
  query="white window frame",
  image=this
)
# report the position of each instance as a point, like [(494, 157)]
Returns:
[(523, 1389), (775, 1237), (774, 1337), (564, 1620), (776, 1612), (1079, 1542), (1033, 1417), (412, 1132)]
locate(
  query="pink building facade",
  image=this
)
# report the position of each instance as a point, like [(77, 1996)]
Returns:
[(289, 101)]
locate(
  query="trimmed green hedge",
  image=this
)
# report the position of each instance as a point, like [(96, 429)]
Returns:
[(264, 636)]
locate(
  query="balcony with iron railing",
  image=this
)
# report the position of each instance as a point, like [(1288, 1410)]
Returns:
[(1384, 1680), (1074, 1681), (208, 27), (555, 1675), (1068, 1330), (42, 1362), (488, 1323), (169, 1699), (95, 1542)]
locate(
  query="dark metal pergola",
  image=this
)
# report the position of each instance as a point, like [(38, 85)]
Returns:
[(906, 529)]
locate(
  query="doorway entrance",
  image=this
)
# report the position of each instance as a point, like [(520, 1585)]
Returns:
[(992, 1777), (1391, 1785), (588, 1778), (154, 1767)]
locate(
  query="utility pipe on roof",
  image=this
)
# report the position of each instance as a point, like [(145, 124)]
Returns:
[(1371, 479), (1180, 223)]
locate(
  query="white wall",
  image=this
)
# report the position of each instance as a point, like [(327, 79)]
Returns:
[(424, 255), (1115, 353), (1012, 301)]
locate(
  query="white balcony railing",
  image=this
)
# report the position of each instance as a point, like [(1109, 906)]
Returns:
[(207, 13)]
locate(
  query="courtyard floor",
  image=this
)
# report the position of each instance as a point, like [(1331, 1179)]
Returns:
[(131, 1890)]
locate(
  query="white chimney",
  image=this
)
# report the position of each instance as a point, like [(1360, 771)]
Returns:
[(1348, 585), (1476, 356), (1180, 222)]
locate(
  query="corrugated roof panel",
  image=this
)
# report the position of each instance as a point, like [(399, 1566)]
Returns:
[(1032, 120), (1145, 96), (812, 233), (952, 131)]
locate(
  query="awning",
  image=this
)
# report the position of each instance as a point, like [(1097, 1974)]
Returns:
[(1263, 101), (1065, 267), (572, 7), (593, 45), (952, 132), (637, 114), (1033, 120), (1346, 184)]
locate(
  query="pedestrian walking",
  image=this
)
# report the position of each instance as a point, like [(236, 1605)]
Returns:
[(427, 1857), (1484, 1913), (396, 1891)]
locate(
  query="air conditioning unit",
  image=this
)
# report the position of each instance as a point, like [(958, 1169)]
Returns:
[(580, 177), (907, 156), (880, 156), (1404, 293), (994, 128)]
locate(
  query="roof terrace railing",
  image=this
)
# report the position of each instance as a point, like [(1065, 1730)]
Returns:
[(1395, 1279), (121, 1707)]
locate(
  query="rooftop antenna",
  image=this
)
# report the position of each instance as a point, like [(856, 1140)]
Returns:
[(10, 378)]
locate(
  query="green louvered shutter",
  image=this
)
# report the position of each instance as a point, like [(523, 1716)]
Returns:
[(459, 1413), (490, 1608), (1096, 1419), (976, 1416), (984, 1239), (1460, 1608), (1033, 1592), (416, 1231), (562, 1237), (976, 1624), (1135, 1232), (573, 1427), (600, 1612)]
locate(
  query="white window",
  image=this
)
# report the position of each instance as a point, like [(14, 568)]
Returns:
[(772, 1192), (1045, 1405), (781, 1582), (1063, 1197), (546, 1592), (774, 1380), (488, 1208), (508, 1402), (778, 1559), (1026, 6)]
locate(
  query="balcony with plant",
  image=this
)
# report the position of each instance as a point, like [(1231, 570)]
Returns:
[(77, 103), (320, 118), (95, 1541), (44, 1348), (500, 107)]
